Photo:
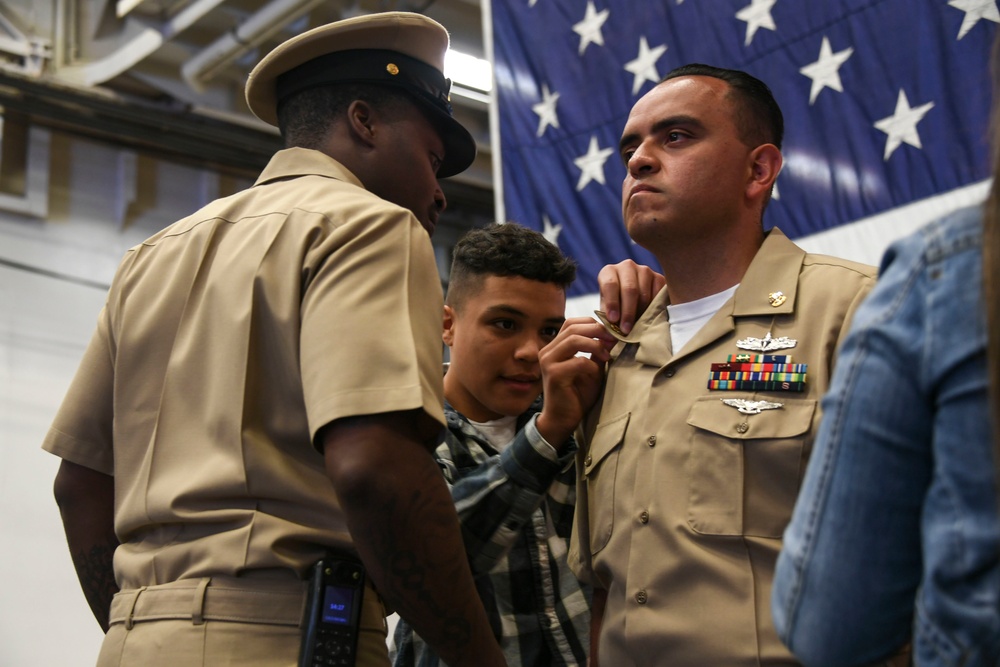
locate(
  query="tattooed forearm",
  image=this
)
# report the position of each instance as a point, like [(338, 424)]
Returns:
[(404, 525), (97, 578), (86, 500), (405, 571), (421, 564)]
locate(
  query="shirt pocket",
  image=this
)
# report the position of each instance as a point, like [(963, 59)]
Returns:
[(600, 470), (744, 471)]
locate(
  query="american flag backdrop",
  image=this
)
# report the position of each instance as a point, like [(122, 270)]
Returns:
[(886, 102)]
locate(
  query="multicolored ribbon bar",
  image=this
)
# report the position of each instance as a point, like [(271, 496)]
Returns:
[(755, 385), (744, 367), (767, 377)]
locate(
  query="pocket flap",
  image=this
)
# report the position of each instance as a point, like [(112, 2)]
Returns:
[(607, 436), (792, 419)]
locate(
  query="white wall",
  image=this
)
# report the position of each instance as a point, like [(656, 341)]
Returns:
[(44, 324)]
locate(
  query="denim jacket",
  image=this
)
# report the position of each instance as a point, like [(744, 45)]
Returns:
[(896, 534)]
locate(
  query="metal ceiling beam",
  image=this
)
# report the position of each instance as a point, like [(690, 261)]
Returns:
[(179, 133)]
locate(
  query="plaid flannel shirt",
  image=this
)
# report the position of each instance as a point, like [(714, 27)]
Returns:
[(516, 512)]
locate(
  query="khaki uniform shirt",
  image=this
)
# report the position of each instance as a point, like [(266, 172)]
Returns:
[(227, 341), (682, 499)]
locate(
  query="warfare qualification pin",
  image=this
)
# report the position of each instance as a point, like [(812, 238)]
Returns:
[(766, 344), (751, 407)]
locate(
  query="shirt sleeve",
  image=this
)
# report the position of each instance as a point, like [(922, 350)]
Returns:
[(371, 320), (497, 496), (850, 564), (82, 431)]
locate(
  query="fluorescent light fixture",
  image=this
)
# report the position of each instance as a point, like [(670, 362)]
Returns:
[(468, 71)]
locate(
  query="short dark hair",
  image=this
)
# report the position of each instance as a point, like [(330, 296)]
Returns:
[(505, 249), (758, 116), (305, 118)]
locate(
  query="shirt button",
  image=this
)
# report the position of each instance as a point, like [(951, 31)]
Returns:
[(587, 460), (640, 597), (742, 428), (644, 516), (651, 441), (670, 372)]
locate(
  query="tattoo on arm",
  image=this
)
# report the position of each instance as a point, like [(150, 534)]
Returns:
[(97, 578), (408, 574), (406, 568)]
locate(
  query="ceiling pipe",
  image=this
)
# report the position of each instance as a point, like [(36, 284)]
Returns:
[(136, 49), (264, 23)]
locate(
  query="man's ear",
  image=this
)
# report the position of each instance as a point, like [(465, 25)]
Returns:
[(361, 120), (764, 168), (448, 333)]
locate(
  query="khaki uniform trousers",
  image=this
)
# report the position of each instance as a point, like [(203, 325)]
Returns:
[(220, 621)]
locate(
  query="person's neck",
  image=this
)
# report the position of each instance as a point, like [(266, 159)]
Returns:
[(700, 269), (459, 400)]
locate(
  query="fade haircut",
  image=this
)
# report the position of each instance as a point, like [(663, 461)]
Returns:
[(758, 116), (305, 118), (507, 249)]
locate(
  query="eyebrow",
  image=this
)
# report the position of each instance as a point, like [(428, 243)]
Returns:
[(503, 308), (659, 126)]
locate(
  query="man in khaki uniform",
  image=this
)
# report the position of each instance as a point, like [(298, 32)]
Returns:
[(264, 384), (687, 479)]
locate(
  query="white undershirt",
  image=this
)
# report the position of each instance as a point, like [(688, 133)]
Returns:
[(686, 319), (499, 432)]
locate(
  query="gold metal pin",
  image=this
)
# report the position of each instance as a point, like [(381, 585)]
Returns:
[(392, 69), (777, 298), (609, 325)]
